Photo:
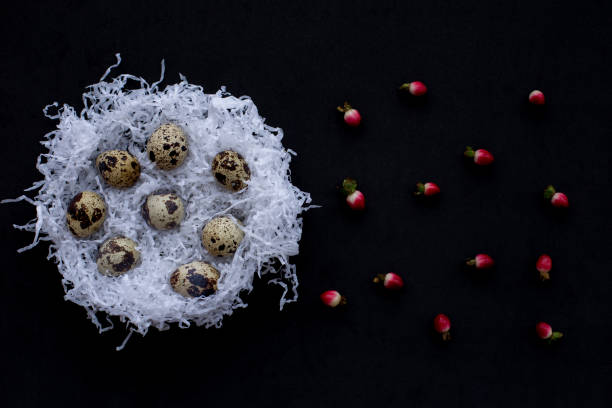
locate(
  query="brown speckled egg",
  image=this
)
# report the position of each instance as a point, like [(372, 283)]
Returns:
[(116, 256), (221, 236), (118, 168), (195, 279), (167, 146), (163, 211), (231, 170), (86, 213)]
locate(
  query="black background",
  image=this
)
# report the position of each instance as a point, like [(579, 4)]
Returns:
[(298, 61)]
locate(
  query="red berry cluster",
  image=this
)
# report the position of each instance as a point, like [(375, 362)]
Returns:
[(481, 157)]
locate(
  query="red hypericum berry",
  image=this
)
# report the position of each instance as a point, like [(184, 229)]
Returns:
[(442, 325), (481, 261), (545, 332), (427, 189), (352, 117), (332, 298), (536, 97), (544, 265), (416, 88), (390, 280), (354, 198), (556, 199), (481, 156)]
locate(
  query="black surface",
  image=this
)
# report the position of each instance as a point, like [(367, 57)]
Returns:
[(298, 62)]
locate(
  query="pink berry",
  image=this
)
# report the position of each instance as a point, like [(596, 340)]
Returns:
[(544, 265), (536, 97), (416, 88), (442, 325), (427, 189), (557, 199), (352, 117), (332, 298), (545, 332), (391, 281), (481, 261), (481, 156), (354, 198)]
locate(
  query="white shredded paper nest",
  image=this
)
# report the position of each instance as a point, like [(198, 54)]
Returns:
[(115, 117)]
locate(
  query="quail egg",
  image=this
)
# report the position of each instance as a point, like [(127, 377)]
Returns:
[(167, 146), (116, 256), (86, 213), (163, 211), (221, 236), (231, 170), (195, 279), (118, 168)]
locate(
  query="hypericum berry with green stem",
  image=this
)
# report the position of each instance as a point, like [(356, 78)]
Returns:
[(544, 265), (481, 261), (391, 281), (546, 333), (352, 117), (354, 198), (442, 325), (481, 157), (416, 88), (556, 198), (427, 189)]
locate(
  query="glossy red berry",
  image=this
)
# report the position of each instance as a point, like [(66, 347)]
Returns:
[(481, 261), (544, 265), (391, 281), (536, 97), (545, 332), (352, 117), (427, 189), (481, 157), (556, 198), (416, 88), (332, 298), (354, 198), (442, 325)]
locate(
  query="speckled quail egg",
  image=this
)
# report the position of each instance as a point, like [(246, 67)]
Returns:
[(231, 170), (86, 213), (195, 279), (167, 146), (118, 168), (117, 255), (163, 211), (221, 236)]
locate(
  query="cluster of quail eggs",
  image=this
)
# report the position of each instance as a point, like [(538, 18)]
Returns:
[(167, 147)]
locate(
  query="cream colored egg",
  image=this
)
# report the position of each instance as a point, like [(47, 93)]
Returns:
[(86, 213), (118, 168), (167, 147), (195, 279), (231, 170), (117, 256), (163, 211), (221, 236)]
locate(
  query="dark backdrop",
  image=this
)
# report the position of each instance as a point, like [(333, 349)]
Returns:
[(298, 61)]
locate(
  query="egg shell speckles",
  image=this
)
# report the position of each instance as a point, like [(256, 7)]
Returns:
[(86, 213), (118, 168), (221, 236), (231, 170), (117, 256), (195, 279), (167, 147), (163, 211)]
